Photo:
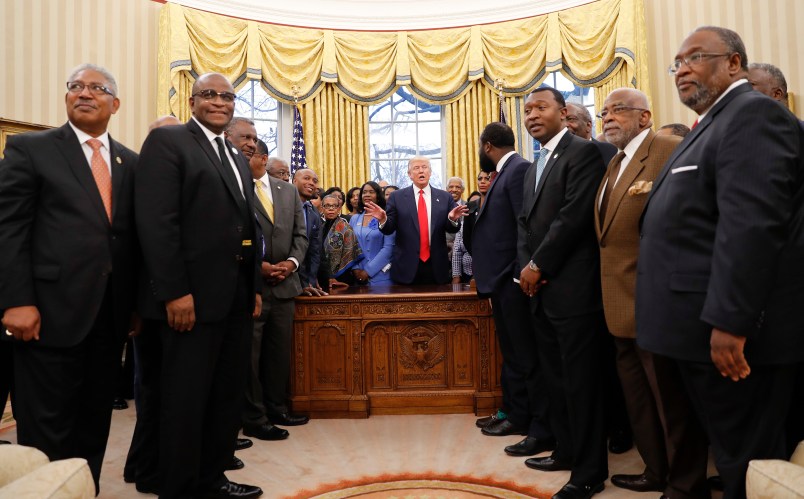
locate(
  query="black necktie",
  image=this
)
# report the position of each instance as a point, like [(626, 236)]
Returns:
[(228, 172)]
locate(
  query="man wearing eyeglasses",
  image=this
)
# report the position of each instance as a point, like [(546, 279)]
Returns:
[(720, 273), (278, 169), (196, 223), (68, 263), (676, 465)]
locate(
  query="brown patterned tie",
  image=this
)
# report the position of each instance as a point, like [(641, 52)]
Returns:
[(614, 169), (100, 170)]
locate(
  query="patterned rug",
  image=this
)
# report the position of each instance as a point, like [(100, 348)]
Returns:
[(429, 486), (7, 421)]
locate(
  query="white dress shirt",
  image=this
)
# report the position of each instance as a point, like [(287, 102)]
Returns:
[(630, 150), (211, 136)]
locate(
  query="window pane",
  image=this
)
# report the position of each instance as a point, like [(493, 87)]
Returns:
[(243, 102), (268, 132), (404, 109), (430, 139), (563, 84), (436, 178), (380, 112)]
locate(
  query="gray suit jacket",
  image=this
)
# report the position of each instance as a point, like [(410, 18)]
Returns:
[(285, 237)]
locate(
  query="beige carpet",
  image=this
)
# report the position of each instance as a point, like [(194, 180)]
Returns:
[(328, 454)]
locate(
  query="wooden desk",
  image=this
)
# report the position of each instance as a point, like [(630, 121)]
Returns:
[(395, 350)]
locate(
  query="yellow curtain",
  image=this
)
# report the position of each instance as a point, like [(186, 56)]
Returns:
[(336, 139)]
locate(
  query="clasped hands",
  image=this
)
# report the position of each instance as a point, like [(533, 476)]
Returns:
[(181, 311), (276, 273), (531, 281)]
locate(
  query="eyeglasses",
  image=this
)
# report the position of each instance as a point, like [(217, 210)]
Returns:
[(483, 178), (76, 87), (283, 174), (330, 206), (209, 95), (618, 110), (692, 60)]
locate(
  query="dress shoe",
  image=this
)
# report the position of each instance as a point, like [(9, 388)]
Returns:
[(483, 422), (715, 483), (502, 428), (231, 489), (530, 446), (235, 464), (572, 491), (548, 463), (265, 432), (119, 404), (620, 442), (243, 443), (287, 419), (638, 483)]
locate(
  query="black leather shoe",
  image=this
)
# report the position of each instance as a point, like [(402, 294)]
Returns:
[(502, 428), (243, 443), (266, 432), (530, 446), (288, 419), (572, 491), (119, 404), (235, 464), (620, 442), (483, 422), (638, 483), (547, 464), (715, 483), (231, 489)]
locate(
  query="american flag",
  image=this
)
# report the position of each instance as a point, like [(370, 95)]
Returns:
[(298, 158)]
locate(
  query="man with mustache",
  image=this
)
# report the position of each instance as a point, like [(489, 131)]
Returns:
[(68, 266), (720, 278)]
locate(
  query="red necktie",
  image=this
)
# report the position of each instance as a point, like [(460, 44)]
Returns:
[(424, 229), (100, 170), (694, 125), (492, 176)]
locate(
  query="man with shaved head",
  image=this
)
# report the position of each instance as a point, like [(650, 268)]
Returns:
[(720, 270), (194, 208), (677, 466)]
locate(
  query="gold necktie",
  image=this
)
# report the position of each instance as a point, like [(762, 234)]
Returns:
[(264, 199), (100, 170)]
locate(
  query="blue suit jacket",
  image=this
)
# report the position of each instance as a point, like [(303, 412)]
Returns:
[(494, 237), (403, 218), (377, 248), (312, 259)]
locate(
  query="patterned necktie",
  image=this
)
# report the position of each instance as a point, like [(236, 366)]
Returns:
[(264, 199), (424, 229), (100, 170), (540, 164), (614, 171)]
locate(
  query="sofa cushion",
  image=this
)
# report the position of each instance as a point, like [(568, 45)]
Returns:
[(18, 460), (774, 479), (63, 479)]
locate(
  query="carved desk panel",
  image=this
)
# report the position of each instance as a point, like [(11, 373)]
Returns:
[(395, 350)]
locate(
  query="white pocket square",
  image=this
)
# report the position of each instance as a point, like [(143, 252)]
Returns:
[(680, 169)]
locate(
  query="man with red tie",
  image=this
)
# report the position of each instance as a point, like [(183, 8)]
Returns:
[(421, 215)]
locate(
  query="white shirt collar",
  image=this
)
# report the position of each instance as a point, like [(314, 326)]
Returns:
[(553, 143), (211, 136), (731, 87), (631, 147), (264, 180), (502, 160), (426, 191), (83, 136)]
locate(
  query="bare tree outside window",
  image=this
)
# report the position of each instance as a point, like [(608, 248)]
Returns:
[(254, 103)]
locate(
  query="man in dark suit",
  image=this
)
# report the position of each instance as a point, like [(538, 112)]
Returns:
[(656, 394), (68, 261), (494, 240), (421, 216), (558, 256), (579, 122), (196, 223), (306, 182), (720, 279), (279, 213)]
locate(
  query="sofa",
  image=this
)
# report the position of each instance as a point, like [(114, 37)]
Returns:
[(775, 478), (26, 473)]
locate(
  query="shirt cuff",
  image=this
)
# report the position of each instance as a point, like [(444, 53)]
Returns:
[(295, 262)]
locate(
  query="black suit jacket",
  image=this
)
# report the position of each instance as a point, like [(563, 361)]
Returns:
[(722, 241), (57, 247), (403, 218), (195, 226), (607, 151), (556, 228), (308, 273), (495, 231)]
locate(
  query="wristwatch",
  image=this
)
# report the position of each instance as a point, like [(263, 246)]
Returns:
[(532, 266)]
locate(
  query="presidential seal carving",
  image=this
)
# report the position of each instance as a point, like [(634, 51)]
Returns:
[(422, 349)]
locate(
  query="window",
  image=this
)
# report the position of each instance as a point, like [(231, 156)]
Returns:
[(254, 103), (572, 93), (400, 128)]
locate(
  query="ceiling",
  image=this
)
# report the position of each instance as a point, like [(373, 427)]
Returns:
[(381, 15)]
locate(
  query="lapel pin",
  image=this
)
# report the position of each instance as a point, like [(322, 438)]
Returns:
[(437, 200), (234, 151), (556, 156), (119, 161)]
